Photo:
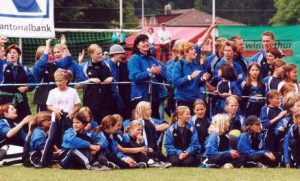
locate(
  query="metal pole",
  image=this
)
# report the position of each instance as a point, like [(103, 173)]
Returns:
[(213, 20), (143, 16), (121, 15), (20, 46)]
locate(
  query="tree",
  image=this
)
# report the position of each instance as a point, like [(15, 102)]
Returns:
[(93, 13), (198, 4), (288, 12)]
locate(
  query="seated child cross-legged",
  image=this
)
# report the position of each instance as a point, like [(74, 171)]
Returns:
[(218, 150)]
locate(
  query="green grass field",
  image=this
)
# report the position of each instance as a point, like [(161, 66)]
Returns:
[(199, 174)]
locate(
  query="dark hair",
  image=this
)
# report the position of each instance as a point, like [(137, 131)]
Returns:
[(288, 68), (138, 39), (274, 51), (227, 72), (80, 116), (259, 78), (269, 33), (13, 46), (277, 63), (234, 38)]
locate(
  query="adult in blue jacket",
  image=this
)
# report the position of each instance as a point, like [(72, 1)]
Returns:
[(15, 72), (117, 53), (181, 140), (188, 77), (229, 49), (252, 144), (144, 68), (268, 41)]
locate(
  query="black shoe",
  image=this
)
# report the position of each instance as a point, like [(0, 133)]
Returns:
[(112, 165), (140, 165), (3, 154)]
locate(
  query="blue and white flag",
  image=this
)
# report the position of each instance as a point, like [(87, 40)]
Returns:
[(27, 18)]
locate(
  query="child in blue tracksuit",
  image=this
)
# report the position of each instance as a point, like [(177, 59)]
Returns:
[(271, 114), (226, 86), (36, 139), (291, 145), (218, 151), (79, 146), (110, 155), (273, 81), (201, 122), (12, 133), (255, 88), (237, 121), (153, 129), (181, 140), (291, 104), (251, 143)]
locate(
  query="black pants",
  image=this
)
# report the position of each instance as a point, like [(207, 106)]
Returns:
[(219, 161), (56, 132), (105, 156), (265, 160), (76, 159), (272, 141), (190, 161), (295, 151)]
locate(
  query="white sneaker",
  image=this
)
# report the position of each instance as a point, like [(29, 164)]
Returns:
[(227, 166)]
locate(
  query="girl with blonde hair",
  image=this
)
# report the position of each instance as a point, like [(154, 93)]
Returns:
[(181, 140), (218, 151), (153, 129)]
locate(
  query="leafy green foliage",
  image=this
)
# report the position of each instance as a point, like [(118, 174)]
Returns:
[(288, 12)]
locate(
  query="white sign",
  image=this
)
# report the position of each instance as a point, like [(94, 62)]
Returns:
[(27, 18)]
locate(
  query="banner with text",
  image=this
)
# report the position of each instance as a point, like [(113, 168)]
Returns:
[(27, 18), (286, 38)]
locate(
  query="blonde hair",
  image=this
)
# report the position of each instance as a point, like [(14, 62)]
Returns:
[(179, 111), (60, 47), (185, 47), (118, 117), (38, 119), (65, 74), (141, 109), (219, 124), (288, 87), (93, 47), (296, 116), (85, 109), (290, 99), (220, 42), (134, 124), (40, 50)]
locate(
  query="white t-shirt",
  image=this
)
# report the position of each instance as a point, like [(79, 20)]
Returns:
[(164, 36), (281, 84), (151, 38), (63, 100)]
